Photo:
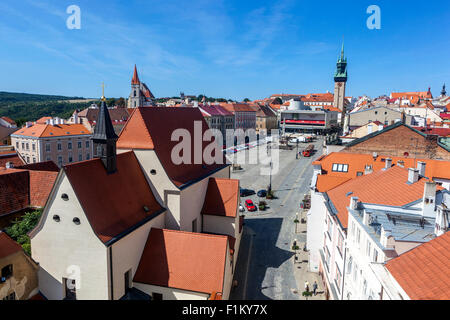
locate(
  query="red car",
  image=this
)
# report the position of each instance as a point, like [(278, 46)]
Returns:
[(250, 206)]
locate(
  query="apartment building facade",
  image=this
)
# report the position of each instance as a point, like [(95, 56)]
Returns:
[(54, 141)]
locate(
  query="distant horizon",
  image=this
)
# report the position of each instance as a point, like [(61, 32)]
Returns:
[(225, 49)]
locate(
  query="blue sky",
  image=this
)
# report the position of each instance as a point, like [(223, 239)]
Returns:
[(232, 49)]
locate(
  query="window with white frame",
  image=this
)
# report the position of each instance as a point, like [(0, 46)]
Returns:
[(330, 227), (375, 255), (339, 167), (368, 248), (358, 235), (338, 277)]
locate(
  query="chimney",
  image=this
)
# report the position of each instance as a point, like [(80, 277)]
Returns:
[(75, 117), (354, 203), (29, 124), (368, 169), (9, 165), (380, 127), (195, 104), (421, 167), (366, 217), (388, 163), (413, 175), (429, 199), (52, 122), (401, 163)]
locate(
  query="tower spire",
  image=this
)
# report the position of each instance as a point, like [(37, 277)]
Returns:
[(135, 79), (104, 138)]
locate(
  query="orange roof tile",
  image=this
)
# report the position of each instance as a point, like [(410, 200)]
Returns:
[(115, 202), (183, 260), (10, 156), (8, 246), (238, 107), (41, 184), (424, 272), (357, 162), (222, 197), (57, 130), (152, 128), (43, 120), (327, 182), (383, 187)]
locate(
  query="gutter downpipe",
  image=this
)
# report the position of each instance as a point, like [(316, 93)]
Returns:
[(343, 273)]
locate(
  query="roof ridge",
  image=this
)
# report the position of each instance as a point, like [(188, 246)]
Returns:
[(193, 233)]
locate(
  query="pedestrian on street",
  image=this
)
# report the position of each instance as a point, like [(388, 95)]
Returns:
[(315, 287), (307, 286)]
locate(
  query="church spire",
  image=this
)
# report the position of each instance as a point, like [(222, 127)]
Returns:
[(135, 79), (443, 92), (104, 139)]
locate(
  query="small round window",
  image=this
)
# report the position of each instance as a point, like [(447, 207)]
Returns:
[(65, 197), (153, 171), (56, 218), (76, 221)]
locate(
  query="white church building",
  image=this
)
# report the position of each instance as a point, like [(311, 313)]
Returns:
[(131, 224)]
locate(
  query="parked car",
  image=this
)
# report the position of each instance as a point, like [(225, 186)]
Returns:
[(250, 205), (262, 193), (246, 192)]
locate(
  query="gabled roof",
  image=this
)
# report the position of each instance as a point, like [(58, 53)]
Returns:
[(40, 166), (388, 188), (424, 272), (152, 128), (222, 197), (113, 203), (183, 260), (8, 246)]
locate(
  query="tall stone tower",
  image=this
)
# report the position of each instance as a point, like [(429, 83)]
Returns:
[(136, 99), (104, 139), (340, 80)]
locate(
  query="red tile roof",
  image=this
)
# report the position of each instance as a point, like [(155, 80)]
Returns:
[(8, 246), (383, 187), (443, 132), (41, 184), (222, 197), (238, 107), (113, 203), (10, 156), (183, 260), (40, 166), (14, 190), (424, 272), (9, 120), (57, 130), (327, 182), (146, 130), (357, 162)]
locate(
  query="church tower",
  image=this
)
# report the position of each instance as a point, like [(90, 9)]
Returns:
[(340, 80), (136, 99), (104, 139)]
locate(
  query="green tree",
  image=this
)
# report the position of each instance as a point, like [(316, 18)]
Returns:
[(246, 100), (121, 102), (20, 227)]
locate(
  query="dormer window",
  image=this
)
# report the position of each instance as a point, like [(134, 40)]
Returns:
[(337, 167)]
